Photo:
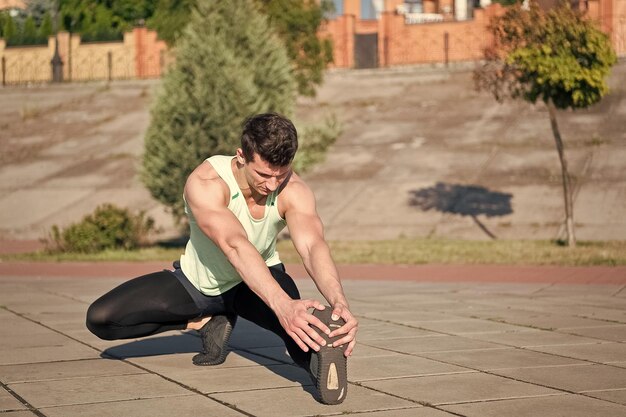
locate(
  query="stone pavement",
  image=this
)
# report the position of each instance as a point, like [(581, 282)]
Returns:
[(432, 349)]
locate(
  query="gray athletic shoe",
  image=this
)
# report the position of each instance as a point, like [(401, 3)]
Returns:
[(329, 366), (215, 334)]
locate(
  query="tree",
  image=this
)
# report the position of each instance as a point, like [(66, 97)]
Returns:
[(9, 31), (45, 30), (229, 65), (170, 18), (297, 22), (29, 32), (558, 57)]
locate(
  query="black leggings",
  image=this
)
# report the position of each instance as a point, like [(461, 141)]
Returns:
[(166, 300)]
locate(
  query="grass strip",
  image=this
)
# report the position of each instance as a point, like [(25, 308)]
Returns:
[(398, 252)]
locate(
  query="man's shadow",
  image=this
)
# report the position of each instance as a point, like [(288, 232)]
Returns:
[(463, 200), (246, 341)]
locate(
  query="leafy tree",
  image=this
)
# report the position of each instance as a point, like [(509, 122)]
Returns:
[(229, 65), (558, 57), (3, 18), (29, 32), (38, 9), (9, 31), (45, 30), (297, 22), (94, 20), (170, 18)]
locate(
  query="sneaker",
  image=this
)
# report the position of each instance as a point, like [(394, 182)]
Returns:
[(328, 367), (215, 334)]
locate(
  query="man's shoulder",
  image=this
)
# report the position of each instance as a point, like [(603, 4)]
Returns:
[(205, 180), (297, 192), (296, 185)]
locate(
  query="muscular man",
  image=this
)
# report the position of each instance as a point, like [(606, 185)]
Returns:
[(236, 206)]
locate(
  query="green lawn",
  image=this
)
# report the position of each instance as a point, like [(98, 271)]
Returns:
[(402, 251)]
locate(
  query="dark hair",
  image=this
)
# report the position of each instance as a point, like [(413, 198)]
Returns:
[(270, 135)]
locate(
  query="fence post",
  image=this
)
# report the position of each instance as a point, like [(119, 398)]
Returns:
[(4, 71), (446, 47), (110, 65)]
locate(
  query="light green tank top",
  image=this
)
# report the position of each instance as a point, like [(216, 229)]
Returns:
[(203, 262)]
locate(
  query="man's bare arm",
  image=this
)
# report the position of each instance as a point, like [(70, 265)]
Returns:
[(208, 199), (307, 233)]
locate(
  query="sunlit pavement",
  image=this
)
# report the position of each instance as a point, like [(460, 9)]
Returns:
[(425, 348)]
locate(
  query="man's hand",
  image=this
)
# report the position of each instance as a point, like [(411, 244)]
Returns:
[(296, 320), (349, 329)]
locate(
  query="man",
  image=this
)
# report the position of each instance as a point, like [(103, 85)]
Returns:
[(236, 206)]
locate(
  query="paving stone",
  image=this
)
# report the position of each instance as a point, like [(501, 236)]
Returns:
[(615, 333), (369, 330), (532, 338), (41, 338), (553, 321), (465, 326), (616, 395), (402, 317), (68, 350), (188, 405), (408, 412), (432, 344), (456, 388), (363, 351), (9, 402), (296, 402), (156, 345), (502, 358), (571, 377), (182, 362), (249, 335), (65, 370), (96, 389), (277, 353), (212, 379), (394, 366), (600, 352), (553, 406)]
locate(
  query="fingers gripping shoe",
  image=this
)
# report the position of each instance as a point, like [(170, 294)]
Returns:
[(215, 334), (328, 367)]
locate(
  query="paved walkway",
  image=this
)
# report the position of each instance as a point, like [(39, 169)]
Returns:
[(523, 347)]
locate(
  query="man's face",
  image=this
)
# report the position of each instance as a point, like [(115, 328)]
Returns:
[(261, 176)]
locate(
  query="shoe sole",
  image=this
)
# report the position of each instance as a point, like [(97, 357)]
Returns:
[(204, 359), (332, 365)]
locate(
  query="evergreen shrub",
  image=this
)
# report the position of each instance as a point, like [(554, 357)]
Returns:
[(229, 66)]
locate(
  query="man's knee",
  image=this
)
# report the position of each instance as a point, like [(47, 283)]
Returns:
[(98, 321)]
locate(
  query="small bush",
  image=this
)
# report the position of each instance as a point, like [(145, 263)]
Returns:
[(108, 227)]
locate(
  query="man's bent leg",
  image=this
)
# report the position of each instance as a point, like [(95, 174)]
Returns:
[(249, 306), (143, 306)]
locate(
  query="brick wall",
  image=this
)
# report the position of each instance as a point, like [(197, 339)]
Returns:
[(406, 44), (611, 15), (139, 55), (402, 44)]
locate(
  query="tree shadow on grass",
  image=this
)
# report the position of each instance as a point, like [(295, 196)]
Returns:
[(248, 341), (463, 200)]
